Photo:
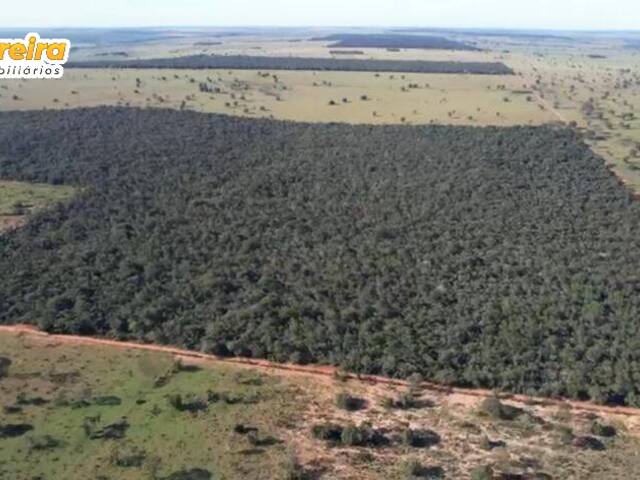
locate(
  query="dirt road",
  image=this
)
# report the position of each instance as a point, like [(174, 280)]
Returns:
[(318, 370)]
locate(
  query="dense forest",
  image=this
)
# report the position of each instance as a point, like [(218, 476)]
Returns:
[(386, 40), (245, 62), (492, 257)]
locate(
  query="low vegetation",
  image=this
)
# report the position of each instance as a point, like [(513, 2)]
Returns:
[(94, 412)]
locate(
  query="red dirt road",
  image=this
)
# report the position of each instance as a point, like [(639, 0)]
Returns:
[(318, 370)]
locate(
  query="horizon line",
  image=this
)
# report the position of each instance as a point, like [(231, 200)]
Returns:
[(256, 26)]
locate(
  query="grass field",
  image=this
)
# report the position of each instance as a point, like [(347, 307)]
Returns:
[(69, 379), (19, 199), (56, 386), (300, 96)]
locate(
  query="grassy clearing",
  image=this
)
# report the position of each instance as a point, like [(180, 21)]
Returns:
[(170, 440), (19, 199), (352, 97), (448, 436)]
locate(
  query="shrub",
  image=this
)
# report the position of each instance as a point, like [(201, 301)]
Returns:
[(348, 402), (482, 473), (112, 431), (14, 430), (413, 469), (566, 435), (191, 404), (175, 401), (601, 430), (419, 438), (45, 442), (5, 363), (352, 436), (243, 430), (128, 456), (494, 408), (327, 432), (588, 443), (387, 403), (192, 474), (109, 400), (363, 436), (406, 401), (293, 470)]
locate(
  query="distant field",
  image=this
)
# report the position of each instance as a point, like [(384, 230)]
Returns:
[(300, 96), (599, 88), (562, 72)]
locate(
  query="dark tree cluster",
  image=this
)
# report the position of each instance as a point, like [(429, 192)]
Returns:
[(502, 258), (246, 62), (386, 40)]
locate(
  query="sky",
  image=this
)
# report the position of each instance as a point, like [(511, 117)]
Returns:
[(532, 14)]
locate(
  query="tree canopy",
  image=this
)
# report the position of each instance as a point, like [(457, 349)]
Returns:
[(493, 257)]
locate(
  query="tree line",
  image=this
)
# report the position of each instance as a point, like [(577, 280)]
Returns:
[(246, 62)]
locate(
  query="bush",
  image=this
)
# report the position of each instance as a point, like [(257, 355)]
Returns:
[(419, 438), (412, 469), (127, 456), (588, 443), (45, 442), (112, 431), (363, 436), (601, 430), (14, 430), (192, 474), (5, 363), (494, 408), (327, 432), (482, 473), (566, 435), (352, 436), (293, 470), (406, 401), (191, 404), (348, 402), (107, 401)]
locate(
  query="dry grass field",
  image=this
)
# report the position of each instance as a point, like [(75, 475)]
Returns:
[(357, 97)]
